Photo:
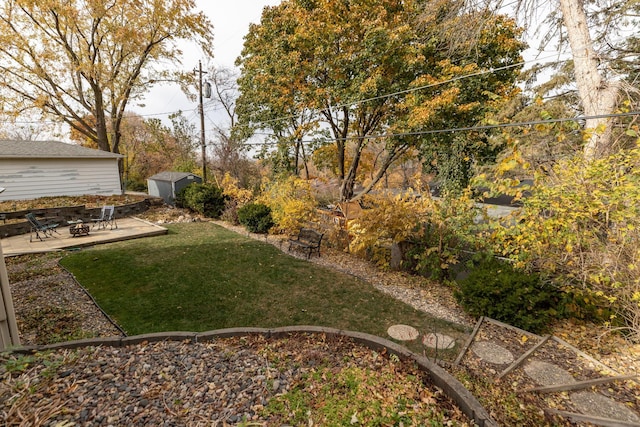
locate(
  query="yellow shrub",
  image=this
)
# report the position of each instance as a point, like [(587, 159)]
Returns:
[(230, 188), (291, 201), (582, 228), (436, 227)]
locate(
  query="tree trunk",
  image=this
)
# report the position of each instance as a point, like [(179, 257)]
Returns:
[(304, 160), (101, 128), (346, 190), (382, 171), (598, 96)]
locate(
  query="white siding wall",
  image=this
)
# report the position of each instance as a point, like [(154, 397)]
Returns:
[(30, 179)]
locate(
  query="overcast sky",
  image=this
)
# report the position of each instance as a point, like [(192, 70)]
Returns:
[(231, 21)]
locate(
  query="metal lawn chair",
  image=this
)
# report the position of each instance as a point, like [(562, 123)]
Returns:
[(40, 228), (107, 217)]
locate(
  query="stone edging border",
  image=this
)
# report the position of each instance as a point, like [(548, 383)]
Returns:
[(469, 405)]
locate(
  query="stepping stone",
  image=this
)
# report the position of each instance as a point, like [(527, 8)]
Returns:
[(597, 405), (403, 332), (547, 374), (492, 353), (438, 341)]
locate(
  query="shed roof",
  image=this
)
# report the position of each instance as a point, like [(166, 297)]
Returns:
[(171, 176), (49, 149)]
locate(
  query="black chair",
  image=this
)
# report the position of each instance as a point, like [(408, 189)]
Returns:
[(40, 228)]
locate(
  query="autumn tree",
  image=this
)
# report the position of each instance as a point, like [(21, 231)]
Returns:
[(150, 146), (272, 94), (83, 61), (24, 130), (490, 62), (599, 35), (350, 63)]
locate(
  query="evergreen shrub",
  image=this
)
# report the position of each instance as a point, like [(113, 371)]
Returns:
[(256, 217), (497, 290), (206, 199)]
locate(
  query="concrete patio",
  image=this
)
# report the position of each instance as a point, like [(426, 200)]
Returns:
[(128, 228)]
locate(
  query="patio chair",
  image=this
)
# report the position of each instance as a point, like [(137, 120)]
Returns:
[(40, 228), (107, 217)]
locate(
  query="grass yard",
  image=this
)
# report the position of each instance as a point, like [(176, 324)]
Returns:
[(201, 277)]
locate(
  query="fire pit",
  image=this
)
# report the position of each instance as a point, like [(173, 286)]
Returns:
[(79, 229)]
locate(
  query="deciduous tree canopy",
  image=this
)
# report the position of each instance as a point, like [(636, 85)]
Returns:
[(350, 63), (79, 59)]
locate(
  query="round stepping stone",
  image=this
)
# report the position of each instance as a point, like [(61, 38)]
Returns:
[(547, 374), (403, 332), (597, 405), (492, 353), (438, 341)]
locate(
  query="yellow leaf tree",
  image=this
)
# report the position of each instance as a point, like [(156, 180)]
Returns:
[(347, 65), (83, 61)]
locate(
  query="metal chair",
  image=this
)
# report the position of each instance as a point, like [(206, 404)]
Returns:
[(40, 228), (107, 217)]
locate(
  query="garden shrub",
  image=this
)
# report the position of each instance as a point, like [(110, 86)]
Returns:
[(206, 199), (256, 217), (230, 212), (233, 191), (581, 227), (434, 229), (180, 199), (497, 290), (133, 185), (236, 198), (291, 201)]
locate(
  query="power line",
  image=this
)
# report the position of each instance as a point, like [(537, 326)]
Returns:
[(415, 89), (469, 128)]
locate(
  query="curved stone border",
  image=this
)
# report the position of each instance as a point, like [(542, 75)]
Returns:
[(467, 403)]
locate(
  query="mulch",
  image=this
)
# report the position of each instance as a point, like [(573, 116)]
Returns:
[(225, 382)]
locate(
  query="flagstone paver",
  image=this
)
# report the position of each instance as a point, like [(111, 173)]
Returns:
[(596, 404), (403, 332), (557, 368), (492, 353), (438, 341), (545, 373)]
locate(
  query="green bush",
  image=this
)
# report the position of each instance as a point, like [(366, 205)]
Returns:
[(497, 290), (206, 199), (256, 217), (133, 185)]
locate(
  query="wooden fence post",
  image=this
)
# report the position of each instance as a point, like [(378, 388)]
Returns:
[(8, 327)]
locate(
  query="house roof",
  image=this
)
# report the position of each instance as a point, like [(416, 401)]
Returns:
[(171, 176), (10, 149)]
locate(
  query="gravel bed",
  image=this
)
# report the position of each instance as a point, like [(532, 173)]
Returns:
[(224, 382)]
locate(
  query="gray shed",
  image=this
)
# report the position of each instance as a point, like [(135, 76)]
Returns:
[(168, 184)]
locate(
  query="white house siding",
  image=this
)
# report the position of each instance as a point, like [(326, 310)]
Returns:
[(33, 178)]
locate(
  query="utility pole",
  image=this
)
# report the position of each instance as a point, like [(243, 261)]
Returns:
[(201, 110)]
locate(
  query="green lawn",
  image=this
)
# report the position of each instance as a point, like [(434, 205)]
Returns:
[(201, 277)]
